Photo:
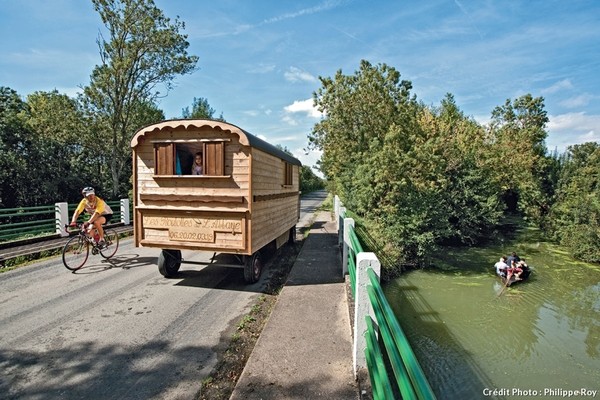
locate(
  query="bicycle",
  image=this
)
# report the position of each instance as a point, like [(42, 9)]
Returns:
[(77, 249)]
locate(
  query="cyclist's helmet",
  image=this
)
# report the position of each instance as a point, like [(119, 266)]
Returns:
[(87, 191)]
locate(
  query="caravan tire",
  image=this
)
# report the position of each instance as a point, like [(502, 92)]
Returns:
[(252, 268), (169, 262)]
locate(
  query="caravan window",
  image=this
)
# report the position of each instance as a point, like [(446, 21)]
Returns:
[(177, 159), (288, 179)]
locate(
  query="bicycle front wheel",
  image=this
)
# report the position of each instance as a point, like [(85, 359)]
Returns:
[(75, 253), (111, 238)]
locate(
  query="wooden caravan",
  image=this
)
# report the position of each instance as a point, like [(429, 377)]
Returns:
[(247, 195)]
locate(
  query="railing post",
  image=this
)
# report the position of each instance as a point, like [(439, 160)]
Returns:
[(61, 216), (340, 222), (362, 306), (348, 222), (336, 210), (125, 212)]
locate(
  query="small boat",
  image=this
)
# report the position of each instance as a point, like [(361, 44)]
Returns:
[(524, 276)]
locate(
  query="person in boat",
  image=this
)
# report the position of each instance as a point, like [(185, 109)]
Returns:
[(501, 267), (512, 259), (521, 269), (513, 268)]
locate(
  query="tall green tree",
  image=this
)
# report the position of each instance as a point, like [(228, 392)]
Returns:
[(470, 200), (15, 148), (418, 176), (309, 181), (58, 133), (201, 109), (518, 135), (359, 109), (144, 49), (575, 215)]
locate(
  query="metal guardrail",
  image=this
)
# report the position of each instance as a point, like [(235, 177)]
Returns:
[(380, 336), (16, 222), (23, 222)]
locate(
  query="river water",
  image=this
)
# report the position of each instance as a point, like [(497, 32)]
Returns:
[(539, 337)]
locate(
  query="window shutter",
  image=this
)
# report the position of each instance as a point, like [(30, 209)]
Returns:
[(289, 174), (164, 159), (214, 158)]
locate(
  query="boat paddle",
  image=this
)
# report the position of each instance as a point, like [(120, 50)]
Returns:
[(508, 276)]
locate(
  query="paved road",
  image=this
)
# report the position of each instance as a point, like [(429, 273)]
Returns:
[(118, 330)]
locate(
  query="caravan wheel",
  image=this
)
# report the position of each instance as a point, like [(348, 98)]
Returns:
[(252, 268), (292, 238), (169, 262)]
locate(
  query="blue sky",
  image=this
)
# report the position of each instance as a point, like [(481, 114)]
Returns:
[(259, 61)]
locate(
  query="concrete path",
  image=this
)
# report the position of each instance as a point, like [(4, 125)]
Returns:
[(305, 349)]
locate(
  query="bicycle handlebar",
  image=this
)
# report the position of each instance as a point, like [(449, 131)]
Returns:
[(78, 226)]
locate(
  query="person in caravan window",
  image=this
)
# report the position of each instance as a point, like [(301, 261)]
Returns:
[(197, 167)]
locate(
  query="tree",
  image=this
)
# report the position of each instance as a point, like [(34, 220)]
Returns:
[(309, 181), (417, 176), (359, 110), (575, 216), (144, 49), (58, 134), (518, 133), (200, 110), (15, 145), (470, 201)]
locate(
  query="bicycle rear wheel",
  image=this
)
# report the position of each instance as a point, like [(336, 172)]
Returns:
[(111, 238), (75, 253)]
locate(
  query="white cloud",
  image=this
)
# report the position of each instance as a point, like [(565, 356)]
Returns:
[(578, 101), (256, 113), (325, 6), (238, 29), (296, 74), (578, 121), (262, 69), (309, 159), (565, 84), (71, 92), (289, 120), (483, 119), (303, 106), (572, 128)]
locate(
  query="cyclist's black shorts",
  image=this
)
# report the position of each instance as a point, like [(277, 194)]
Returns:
[(107, 217)]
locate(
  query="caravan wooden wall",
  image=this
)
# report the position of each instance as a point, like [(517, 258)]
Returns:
[(275, 207)]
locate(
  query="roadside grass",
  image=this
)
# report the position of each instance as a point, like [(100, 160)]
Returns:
[(21, 261)]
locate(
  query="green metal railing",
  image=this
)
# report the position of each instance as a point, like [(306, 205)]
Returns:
[(352, 260), (410, 378), (386, 344), (24, 222)]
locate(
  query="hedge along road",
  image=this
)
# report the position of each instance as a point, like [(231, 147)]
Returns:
[(119, 330)]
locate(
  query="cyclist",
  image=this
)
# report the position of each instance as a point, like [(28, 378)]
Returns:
[(100, 213)]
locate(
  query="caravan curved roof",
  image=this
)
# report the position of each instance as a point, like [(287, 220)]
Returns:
[(246, 138)]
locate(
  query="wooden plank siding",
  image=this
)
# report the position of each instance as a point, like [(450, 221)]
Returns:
[(271, 218)]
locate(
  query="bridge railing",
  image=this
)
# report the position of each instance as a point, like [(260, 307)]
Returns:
[(49, 220), (379, 341)]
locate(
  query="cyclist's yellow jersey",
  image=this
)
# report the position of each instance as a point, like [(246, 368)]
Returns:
[(98, 206)]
